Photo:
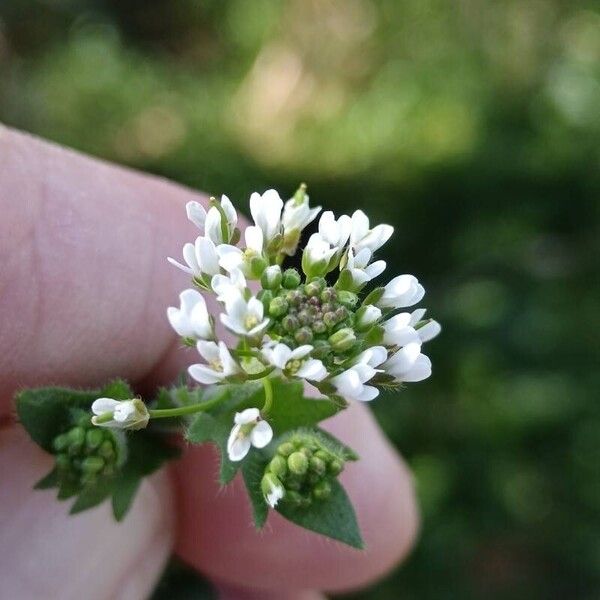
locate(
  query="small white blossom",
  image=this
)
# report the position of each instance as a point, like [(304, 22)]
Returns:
[(403, 290), (200, 258), (225, 286), (408, 364), (362, 236), (294, 363), (359, 266), (192, 318), (266, 212), (429, 330), (336, 232), (351, 383), (272, 489), (196, 213), (213, 225), (298, 216), (244, 318), (317, 254), (123, 414), (248, 430), (219, 363), (232, 257), (367, 316)]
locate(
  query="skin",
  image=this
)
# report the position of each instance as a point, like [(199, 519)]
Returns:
[(84, 285)]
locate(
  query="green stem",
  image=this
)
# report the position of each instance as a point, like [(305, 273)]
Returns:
[(190, 409), (268, 396)]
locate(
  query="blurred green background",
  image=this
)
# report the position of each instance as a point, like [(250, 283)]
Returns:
[(474, 128)]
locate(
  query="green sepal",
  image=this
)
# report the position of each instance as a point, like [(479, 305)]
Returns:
[(374, 296), (48, 481)]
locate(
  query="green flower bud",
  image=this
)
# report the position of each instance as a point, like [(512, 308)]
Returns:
[(285, 449), (291, 279), (297, 463), (265, 296), (322, 490), (330, 319), (295, 498), (271, 277), (76, 437), (290, 323), (278, 307), (278, 466), (60, 442), (257, 265), (294, 297), (63, 462), (107, 450), (335, 467), (328, 295), (92, 464), (348, 299), (319, 327), (312, 289), (317, 465), (304, 335), (93, 438), (342, 340)]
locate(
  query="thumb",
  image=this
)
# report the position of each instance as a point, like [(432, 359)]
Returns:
[(48, 554)]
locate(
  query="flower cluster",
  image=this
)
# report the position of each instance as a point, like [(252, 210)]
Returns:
[(310, 325)]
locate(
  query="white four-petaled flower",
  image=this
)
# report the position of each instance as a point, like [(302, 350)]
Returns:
[(409, 364), (266, 212), (120, 414), (295, 363), (192, 318), (402, 291), (219, 363), (200, 258), (244, 318), (351, 382), (248, 430)]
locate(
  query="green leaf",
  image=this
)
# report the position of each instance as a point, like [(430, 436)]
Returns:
[(48, 481), (46, 412), (146, 453), (334, 517), (117, 389), (339, 448), (253, 469), (92, 495)]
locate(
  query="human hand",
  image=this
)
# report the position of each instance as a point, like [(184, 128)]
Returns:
[(83, 288)]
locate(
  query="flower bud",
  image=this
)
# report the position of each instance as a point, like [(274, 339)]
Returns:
[(278, 466), (319, 327), (297, 463), (278, 307), (322, 490), (335, 467), (271, 277), (60, 442), (257, 265), (92, 464), (343, 339), (272, 489), (291, 279), (93, 438), (290, 323), (366, 315), (285, 449), (348, 299), (317, 465), (303, 336), (265, 296)]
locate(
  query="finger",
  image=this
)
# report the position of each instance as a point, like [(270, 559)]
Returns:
[(216, 535), (48, 554), (84, 281)]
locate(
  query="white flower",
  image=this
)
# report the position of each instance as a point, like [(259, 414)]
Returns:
[(360, 268), (272, 489), (294, 363), (366, 316), (120, 414), (224, 286), (266, 212), (335, 232), (351, 383), (363, 237), (220, 363), (403, 290), (316, 256), (428, 331), (400, 331), (231, 257), (200, 257), (298, 216), (244, 318), (248, 430), (196, 213), (213, 225), (192, 319), (409, 364)]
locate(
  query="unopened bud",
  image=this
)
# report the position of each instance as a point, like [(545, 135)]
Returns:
[(265, 296), (285, 449), (317, 465), (297, 463), (92, 464), (278, 466), (335, 467), (93, 438), (60, 442), (278, 307), (366, 315), (291, 279), (322, 490), (348, 299), (303, 336), (271, 277), (343, 339), (290, 323), (257, 265)]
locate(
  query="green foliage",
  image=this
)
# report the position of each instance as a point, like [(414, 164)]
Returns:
[(56, 418)]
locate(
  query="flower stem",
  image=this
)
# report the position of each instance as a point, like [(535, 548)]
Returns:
[(268, 396), (190, 409)]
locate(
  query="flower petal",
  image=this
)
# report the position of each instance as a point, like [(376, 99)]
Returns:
[(261, 435)]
